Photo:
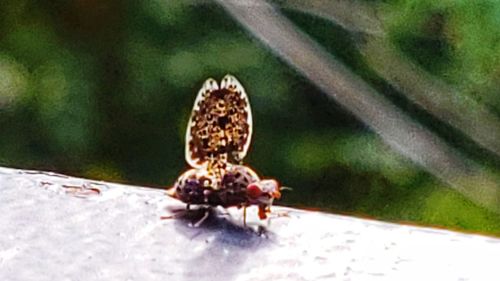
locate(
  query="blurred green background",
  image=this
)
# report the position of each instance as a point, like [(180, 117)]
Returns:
[(103, 89)]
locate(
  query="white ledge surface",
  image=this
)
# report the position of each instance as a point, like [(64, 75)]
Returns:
[(54, 227)]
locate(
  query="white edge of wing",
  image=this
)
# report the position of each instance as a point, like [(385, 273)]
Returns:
[(230, 80), (208, 86)]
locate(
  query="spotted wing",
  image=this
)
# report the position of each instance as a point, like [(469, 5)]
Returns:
[(220, 126)]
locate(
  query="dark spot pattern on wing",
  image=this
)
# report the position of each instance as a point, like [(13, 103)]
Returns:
[(219, 127)]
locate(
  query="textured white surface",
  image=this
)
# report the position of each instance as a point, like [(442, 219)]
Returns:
[(54, 227)]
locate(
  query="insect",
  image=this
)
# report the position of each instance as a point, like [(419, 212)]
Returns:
[(218, 136)]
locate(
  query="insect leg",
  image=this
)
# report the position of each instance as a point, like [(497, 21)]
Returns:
[(205, 216), (244, 216)]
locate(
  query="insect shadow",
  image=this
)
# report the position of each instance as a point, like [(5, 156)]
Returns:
[(227, 245), (208, 221)]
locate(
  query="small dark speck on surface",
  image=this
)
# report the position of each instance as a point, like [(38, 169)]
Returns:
[(328, 276)]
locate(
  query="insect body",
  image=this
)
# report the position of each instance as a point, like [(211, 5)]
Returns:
[(218, 136)]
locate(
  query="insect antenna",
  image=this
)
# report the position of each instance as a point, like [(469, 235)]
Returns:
[(286, 188)]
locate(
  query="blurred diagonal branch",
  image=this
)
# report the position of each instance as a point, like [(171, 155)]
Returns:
[(356, 16), (394, 127), (439, 99)]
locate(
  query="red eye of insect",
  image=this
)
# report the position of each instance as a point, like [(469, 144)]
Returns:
[(254, 191)]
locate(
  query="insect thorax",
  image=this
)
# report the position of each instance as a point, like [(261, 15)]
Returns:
[(202, 186)]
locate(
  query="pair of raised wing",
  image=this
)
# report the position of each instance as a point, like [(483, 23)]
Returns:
[(220, 126)]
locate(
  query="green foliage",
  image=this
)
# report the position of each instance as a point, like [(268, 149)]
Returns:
[(457, 40), (444, 205), (105, 92)]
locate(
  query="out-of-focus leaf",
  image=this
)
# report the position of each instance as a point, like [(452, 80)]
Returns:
[(14, 80)]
